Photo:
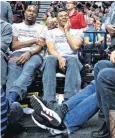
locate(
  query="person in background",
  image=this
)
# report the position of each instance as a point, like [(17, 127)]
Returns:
[(44, 19), (50, 24), (19, 9), (77, 19), (55, 21), (6, 12), (90, 39)]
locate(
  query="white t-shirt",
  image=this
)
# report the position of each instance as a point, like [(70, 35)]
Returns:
[(28, 32), (61, 45)]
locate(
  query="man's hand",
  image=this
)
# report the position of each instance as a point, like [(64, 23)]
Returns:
[(62, 63), (67, 26), (112, 57), (41, 42), (23, 58), (110, 29)]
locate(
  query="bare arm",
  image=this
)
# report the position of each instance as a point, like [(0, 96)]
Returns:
[(74, 43), (52, 51), (18, 45), (26, 56), (86, 41)]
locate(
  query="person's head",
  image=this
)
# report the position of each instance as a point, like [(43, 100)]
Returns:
[(55, 21), (71, 5), (101, 14), (31, 14), (98, 23), (50, 24), (18, 2), (45, 16), (97, 11), (62, 17), (90, 21)]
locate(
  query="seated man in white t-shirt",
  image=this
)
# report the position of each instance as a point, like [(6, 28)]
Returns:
[(62, 43), (27, 44)]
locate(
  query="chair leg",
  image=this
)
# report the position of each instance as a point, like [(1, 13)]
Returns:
[(112, 123)]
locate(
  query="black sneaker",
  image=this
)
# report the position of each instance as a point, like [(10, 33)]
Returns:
[(15, 113), (44, 124), (44, 112)]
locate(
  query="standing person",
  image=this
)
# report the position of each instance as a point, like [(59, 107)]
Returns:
[(62, 43), (6, 12), (27, 43), (77, 19)]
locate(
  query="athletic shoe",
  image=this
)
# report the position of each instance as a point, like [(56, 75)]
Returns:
[(42, 123), (41, 110), (15, 112)]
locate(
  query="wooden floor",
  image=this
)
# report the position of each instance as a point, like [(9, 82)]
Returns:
[(85, 132)]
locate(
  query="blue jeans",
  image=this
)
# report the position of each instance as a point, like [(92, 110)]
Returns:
[(3, 69), (105, 86), (82, 106), (98, 67), (21, 76), (72, 79)]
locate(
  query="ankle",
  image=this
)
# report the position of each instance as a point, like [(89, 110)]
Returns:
[(64, 109)]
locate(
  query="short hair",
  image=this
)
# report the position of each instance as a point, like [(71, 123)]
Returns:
[(36, 7), (60, 10), (98, 19), (73, 2)]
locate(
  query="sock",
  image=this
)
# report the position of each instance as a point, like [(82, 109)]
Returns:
[(13, 96), (64, 109)]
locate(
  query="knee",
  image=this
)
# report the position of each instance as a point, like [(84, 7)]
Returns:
[(98, 64), (71, 61), (103, 75), (52, 60)]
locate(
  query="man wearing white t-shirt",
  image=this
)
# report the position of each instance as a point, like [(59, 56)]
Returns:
[(62, 43), (27, 43)]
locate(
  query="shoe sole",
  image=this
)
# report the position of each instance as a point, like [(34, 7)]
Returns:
[(15, 115), (52, 130), (104, 136), (38, 107)]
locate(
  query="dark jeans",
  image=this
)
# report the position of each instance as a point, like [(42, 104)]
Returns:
[(104, 73)]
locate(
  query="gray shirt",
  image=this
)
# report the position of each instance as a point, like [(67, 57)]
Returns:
[(6, 35), (6, 12)]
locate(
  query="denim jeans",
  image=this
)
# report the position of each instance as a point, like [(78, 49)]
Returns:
[(3, 69), (72, 79), (98, 67), (82, 106), (105, 87), (21, 76)]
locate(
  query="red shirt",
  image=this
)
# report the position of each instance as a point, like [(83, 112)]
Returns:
[(77, 20)]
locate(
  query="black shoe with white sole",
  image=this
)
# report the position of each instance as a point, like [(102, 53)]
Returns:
[(42, 123), (44, 112)]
